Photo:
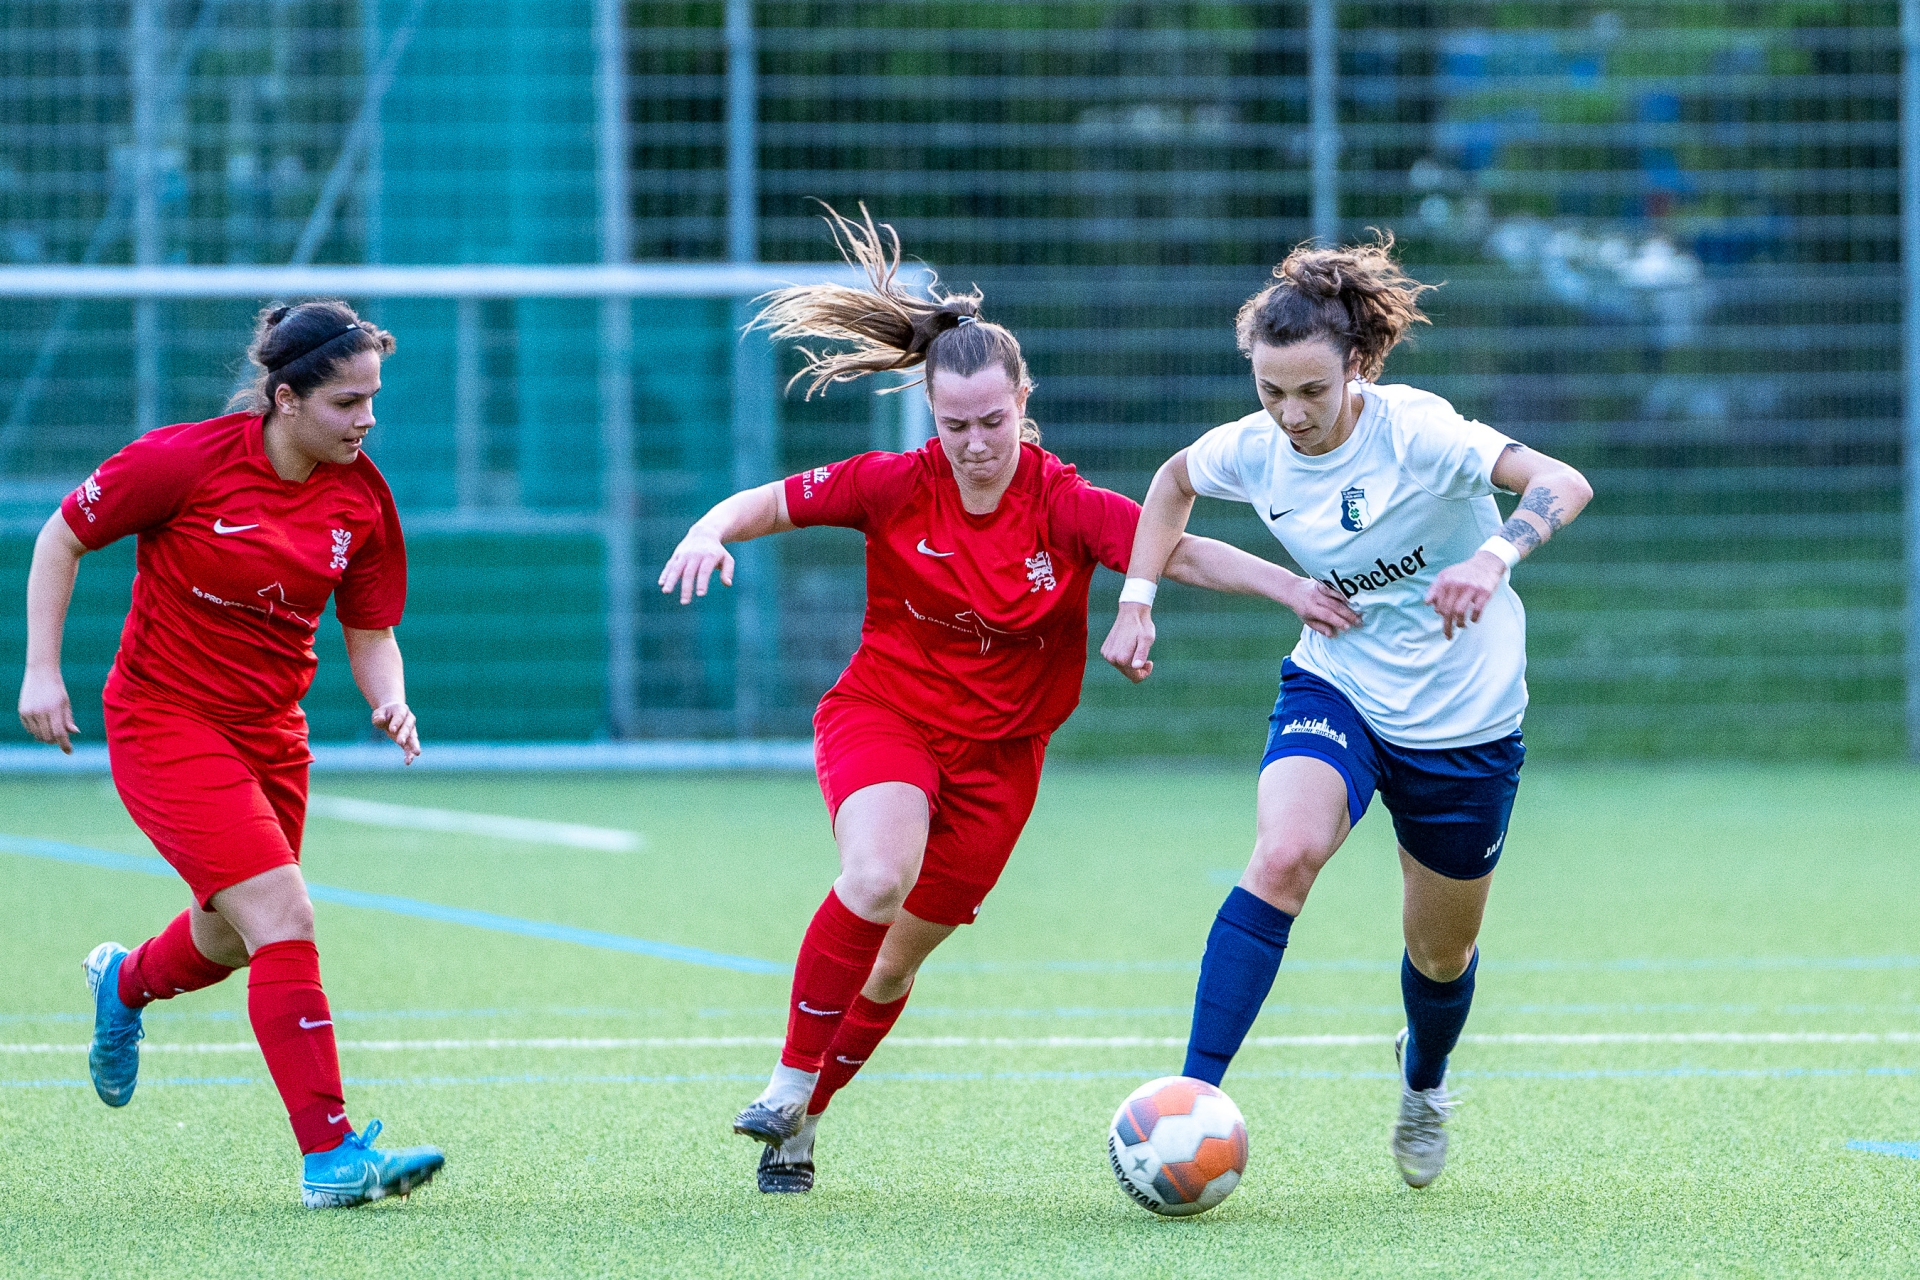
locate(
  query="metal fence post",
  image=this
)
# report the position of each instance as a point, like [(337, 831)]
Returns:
[(469, 424), (616, 368), (1323, 64), (756, 448), (1910, 315), (143, 59)]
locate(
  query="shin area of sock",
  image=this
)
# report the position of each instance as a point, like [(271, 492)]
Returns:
[(836, 957), (861, 1031), (294, 1026), (167, 965), (1436, 1014), (1243, 954)]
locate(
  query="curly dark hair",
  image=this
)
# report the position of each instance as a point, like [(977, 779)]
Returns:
[(1356, 297)]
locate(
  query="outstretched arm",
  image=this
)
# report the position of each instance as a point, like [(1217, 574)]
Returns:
[(378, 669), (1162, 546), (1204, 562), (1551, 493), (45, 710), (749, 514)]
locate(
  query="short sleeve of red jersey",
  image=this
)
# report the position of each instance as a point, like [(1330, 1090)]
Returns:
[(138, 488), (1100, 522), (373, 592), (851, 493)]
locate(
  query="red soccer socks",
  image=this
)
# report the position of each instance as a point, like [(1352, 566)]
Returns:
[(167, 965), (835, 958), (861, 1032), (295, 1030)]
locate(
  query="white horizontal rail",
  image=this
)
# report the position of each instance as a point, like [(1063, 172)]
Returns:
[(638, 280)]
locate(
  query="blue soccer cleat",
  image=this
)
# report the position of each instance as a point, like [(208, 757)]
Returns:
[(353, 1173), (114, 1057)]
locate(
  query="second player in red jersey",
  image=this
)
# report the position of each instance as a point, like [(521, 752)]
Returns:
[(247, 524), (981, 548)]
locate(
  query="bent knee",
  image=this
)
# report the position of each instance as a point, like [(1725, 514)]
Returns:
[(873, 892), (290, 920), (1439, 963), (1289, 855)]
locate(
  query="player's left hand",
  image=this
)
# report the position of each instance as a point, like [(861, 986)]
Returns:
[(1461, 591), (1130, 641), (396, 719)]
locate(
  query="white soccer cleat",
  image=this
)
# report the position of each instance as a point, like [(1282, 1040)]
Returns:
[(1419, 1133)]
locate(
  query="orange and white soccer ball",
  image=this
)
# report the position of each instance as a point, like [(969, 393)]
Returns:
[(1178, 1146)]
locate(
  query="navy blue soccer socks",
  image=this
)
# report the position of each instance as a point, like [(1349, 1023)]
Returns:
[(1243, 955), (1436, 1012)]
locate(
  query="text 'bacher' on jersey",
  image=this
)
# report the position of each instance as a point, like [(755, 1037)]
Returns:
[(235, 564), (976, 624), (1376, 519)]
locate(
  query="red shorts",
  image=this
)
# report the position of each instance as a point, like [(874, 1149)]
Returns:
[(979, 794), (221, 802)]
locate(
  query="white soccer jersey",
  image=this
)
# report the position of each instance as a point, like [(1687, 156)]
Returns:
[(1377, 519)]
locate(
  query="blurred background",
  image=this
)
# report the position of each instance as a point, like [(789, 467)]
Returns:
[(1669, 235)]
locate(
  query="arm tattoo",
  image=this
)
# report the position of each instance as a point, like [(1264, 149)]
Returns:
[(1539, 501), (1521, 534), (1546, 504)]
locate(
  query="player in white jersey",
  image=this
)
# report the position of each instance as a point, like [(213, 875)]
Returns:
[(1409, 677)]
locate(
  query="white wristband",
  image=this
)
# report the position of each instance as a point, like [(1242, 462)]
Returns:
[(1139, 591), (1508, 553)]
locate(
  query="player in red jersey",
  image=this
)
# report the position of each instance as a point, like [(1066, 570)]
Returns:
[(980, 550), (246, 524)]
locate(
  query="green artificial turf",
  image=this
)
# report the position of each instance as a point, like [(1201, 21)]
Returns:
[(1656, 901)]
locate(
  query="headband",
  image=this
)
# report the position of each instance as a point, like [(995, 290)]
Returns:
[(337, 333)]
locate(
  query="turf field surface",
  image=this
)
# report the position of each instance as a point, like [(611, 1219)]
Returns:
[(1699, 987)]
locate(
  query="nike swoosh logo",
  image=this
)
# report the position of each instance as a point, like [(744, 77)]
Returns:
[(1275, 515), (926, 550), (337, 1119), (308, 1026), (821, 1013), (852, 1062), (221, 526)]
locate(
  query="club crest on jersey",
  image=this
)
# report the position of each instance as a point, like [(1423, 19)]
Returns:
[(342, 540), (88, 495), (1353, 509), (1040, 573)]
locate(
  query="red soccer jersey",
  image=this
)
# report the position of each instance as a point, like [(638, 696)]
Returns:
[(235, 565), (976, 625)]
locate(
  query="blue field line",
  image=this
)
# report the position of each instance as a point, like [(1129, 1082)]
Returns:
[(1907, 1150), (144, 865)]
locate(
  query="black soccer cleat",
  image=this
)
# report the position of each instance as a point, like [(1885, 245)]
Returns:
[(771, 1125), (779, 1176)]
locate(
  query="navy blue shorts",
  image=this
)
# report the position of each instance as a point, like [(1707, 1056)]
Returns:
[(1450, 807)]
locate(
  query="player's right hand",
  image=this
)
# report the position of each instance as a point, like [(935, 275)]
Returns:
[(1321, 608), (692, 563), (1130, 641), (45, 711)]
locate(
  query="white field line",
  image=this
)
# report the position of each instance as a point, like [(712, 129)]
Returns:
[(1038, 1042), (408, 817)]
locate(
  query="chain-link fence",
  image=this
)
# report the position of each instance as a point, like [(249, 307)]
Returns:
[(1669, 235)]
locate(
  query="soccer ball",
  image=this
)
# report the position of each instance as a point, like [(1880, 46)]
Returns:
[(1178, 1146)]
